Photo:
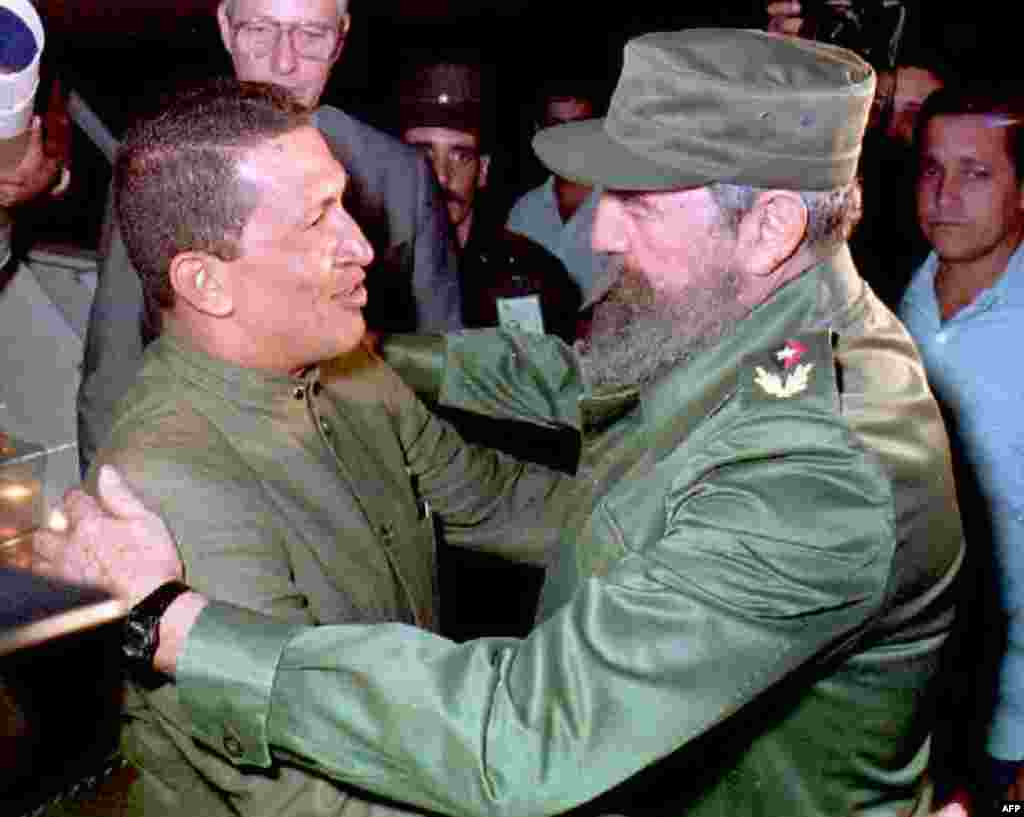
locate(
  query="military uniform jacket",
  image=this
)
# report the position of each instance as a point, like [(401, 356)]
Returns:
[(306, 498), (752, 587)]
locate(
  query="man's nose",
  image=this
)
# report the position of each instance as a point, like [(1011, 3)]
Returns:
[(442, 170), (283, 59), (609, 231), (355, 247), (947, 189)]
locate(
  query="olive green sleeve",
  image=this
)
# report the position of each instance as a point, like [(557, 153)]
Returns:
[(686, 629), (498, 373)]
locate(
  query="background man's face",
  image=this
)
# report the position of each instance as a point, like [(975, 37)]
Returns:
[(298, 284), (969, 200), (561, 109), (290, 27), (458, 165)]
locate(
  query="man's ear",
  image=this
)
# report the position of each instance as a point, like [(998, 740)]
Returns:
[(224, 24), (202, 281), (481, 176), (771, 231), (344, 24)]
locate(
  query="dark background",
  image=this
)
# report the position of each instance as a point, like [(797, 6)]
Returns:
[(121, 57)]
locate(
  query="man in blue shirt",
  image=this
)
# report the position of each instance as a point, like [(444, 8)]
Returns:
[(965, 309), (559, 214)]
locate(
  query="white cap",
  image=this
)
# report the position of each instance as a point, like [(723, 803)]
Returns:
[(18, 88)]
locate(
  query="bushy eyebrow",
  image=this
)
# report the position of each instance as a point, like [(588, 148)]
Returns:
[(327, 199), (263, 18)]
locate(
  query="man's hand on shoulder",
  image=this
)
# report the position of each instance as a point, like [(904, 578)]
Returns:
[(784, 17), (112, 541)]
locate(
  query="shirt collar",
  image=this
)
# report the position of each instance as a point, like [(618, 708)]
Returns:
[(253, 388), (1008, 288)]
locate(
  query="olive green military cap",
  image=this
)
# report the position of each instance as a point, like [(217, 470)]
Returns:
[(442, 95), (729, 105)]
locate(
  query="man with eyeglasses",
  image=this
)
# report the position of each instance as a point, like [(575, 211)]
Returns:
[(757, 557), (394, 198)]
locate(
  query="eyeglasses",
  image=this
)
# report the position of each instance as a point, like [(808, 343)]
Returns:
[(259, 37)]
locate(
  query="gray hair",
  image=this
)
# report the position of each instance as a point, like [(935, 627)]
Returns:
[(831, 214), (229, 7)]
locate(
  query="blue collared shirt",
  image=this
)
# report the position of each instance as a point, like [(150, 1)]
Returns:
[(536, 216), (974, 365)]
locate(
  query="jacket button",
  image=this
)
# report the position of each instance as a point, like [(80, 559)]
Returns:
[(299, 393), (233, 746), (386, 534), (325, 426)]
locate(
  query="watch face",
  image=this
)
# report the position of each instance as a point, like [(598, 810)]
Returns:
[(141, 635), (140, 638)]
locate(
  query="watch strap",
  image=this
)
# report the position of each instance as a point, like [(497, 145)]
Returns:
[(141, 635)]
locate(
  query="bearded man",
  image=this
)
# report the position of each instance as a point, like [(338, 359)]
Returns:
[(758, 550)]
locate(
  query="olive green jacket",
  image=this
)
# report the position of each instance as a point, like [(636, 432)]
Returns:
[(306, 498), (753, 585)]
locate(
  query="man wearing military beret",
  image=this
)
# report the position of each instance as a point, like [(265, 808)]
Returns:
[(757, 553), (504, 278)]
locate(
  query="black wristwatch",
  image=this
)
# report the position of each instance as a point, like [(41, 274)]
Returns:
[(141, 632)]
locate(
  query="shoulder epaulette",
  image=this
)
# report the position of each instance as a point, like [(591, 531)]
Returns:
[(801, 367)]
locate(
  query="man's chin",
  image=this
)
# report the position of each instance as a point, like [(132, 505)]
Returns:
[(308, 98), (456, 214)]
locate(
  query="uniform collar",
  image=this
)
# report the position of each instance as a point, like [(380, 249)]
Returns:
[(823, 297), (252, 388)]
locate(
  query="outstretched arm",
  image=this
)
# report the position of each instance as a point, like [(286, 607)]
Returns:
[(536, 726)]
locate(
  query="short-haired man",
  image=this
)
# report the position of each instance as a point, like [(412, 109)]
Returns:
[(504, 278), (559, 214), (758, 550), (295, 44), (301, 491), (964, 308)]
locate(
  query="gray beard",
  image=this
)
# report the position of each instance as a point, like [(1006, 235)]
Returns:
[(638, 334)]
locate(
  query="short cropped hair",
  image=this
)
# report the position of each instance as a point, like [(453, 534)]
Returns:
[(176, 180), (1003, 103), (832, 215)]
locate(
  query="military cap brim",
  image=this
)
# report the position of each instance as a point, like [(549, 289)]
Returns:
[(728, 105)]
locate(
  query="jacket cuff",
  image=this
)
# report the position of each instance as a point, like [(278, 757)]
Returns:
[(225, 677), (419, 361), (1006, 732)]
